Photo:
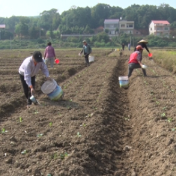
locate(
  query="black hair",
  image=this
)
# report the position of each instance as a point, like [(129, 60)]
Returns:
[(49, 43)]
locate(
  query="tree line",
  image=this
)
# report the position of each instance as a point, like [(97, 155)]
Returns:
[(79, 20)]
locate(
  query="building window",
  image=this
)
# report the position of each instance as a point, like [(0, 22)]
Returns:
[(122, 25), (166, 28), (129, 25)]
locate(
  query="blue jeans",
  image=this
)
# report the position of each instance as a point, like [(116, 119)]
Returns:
[(133, 66)]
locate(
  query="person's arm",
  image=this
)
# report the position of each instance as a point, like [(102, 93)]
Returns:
[(145, 46), (45, 70), (81, 51), (45, 54), (54, 53)]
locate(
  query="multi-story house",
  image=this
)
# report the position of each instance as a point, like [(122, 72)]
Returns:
[(112, 25), (159, 28)]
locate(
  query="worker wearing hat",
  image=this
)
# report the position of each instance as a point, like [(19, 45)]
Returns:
[(86, 50), (143, 44), (135, 61), (28, 70)]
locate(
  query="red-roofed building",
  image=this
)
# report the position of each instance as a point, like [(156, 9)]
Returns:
[(159, 28)]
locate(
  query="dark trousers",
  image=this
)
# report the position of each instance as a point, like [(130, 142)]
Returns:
[(86, 58), (26, 89), (133, 66)]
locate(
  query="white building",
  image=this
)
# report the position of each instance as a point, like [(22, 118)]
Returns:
[(112, 25), (159, 28)]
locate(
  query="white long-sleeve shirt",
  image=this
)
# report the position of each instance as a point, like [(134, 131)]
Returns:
[(28, 69)]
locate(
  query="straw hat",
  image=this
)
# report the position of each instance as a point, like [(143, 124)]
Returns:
[(142, 41)]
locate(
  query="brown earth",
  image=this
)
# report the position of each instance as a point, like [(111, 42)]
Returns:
[(98, 129)]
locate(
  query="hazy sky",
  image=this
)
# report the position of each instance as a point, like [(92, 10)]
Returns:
[(9, 8)]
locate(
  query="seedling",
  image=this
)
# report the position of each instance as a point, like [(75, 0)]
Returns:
[(78, 135), (20, 118), (157, 102), (169, 120), (4, 131), (63, 155), (36, 112), (173, 129), (83, 125), (39, 135), (55, 156), (126, 118), (164, 108), (24, 152), (50, 124), (163, 115)]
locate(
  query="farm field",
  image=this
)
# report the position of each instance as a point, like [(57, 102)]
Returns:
[(98, 129)]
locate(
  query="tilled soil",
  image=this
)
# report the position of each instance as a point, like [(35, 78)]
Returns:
[(98, 129)]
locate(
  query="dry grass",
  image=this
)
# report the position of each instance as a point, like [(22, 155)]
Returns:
[(166, 59)]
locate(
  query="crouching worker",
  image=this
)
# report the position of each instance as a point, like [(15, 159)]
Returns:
[(135, 61), (28, 70)]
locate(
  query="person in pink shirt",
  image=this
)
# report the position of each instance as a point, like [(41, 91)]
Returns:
[(49, 55)]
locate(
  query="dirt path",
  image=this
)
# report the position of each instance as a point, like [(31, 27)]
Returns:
[(99, 128)]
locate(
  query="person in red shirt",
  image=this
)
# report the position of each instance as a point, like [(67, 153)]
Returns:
[(135, 61)]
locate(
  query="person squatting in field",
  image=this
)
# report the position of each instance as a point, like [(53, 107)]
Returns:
[(28, 70), (49, 55), (135, 61), (86, 50)]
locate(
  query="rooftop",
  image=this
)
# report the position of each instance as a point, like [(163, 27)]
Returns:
[(111, 20), (160, 22)]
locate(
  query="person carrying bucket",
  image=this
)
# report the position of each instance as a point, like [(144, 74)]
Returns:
[(28, 70), (135, 61), (86, 50)]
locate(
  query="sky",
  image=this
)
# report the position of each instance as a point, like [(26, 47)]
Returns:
[(10, 8)]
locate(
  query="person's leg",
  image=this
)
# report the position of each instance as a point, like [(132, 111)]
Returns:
[(87, 59), (52, 62), (25, 86), (130, 70), (46, 61), (132, 66), (26, 90)]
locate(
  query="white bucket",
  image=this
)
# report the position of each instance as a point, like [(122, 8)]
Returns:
[(123, 81), (48, 86), (91, 58), (53, 91)]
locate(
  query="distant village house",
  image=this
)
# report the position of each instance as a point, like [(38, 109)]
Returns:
[(159, 28)]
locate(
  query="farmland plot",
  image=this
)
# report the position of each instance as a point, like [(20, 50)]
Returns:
[(98, 129)]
